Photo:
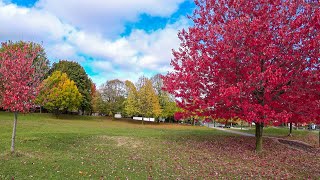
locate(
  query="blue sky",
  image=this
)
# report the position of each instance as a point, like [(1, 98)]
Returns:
[(111, 39)]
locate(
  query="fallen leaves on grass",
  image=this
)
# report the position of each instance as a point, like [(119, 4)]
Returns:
[(234, 157)]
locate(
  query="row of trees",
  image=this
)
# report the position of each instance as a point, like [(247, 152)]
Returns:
[(254, 60), (144, 98), (53, 83), (27, 81)]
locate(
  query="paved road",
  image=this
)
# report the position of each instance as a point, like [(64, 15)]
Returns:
[(234, 132)]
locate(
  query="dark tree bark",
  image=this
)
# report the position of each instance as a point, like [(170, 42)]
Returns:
[(259, 131), (290, 130)]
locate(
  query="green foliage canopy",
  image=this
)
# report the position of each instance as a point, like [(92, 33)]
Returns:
[(76, 73), (58, 92)]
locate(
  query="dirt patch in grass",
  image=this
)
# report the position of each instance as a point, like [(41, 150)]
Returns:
[(20, 154), (122, 141)]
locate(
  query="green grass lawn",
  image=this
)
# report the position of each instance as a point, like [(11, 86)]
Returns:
[(81, 147)]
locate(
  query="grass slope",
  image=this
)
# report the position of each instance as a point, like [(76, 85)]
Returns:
[(79, 147)]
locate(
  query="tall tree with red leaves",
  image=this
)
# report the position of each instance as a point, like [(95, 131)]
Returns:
[(257, 60), (20, 79)]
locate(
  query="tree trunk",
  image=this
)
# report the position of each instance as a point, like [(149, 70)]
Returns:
[(14, 131), (319, 137), (56, 112), (40, 109), (214, 123), (82, 109), (259, 130), (290, 131)]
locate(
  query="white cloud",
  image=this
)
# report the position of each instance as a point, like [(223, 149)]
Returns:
[(61, 51), (141, 50), (93, 44), (65, 34), (18, 23), (107, 16), (102, 65)]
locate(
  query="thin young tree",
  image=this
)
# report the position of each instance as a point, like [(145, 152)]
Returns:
[(20, 79)]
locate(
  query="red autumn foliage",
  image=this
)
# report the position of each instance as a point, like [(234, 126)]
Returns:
[(256, 60), (178, 116), (20, 81)]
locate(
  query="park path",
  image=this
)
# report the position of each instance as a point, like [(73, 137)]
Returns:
[(234, 132), (295, 144)]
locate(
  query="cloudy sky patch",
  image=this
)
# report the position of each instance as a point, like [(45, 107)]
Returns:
[(110, 39)]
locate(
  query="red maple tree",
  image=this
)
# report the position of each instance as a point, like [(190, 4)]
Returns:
[(257, 60), (19, 78)]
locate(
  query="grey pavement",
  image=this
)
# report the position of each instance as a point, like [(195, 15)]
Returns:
[(230, 131)]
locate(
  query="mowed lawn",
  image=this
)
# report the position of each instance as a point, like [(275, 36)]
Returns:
[(76, 147)]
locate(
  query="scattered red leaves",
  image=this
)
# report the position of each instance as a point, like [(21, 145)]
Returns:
[(233, 157)]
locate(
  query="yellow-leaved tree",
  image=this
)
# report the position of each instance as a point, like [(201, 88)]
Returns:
[(149, 101), (59, 93), (131, 107)]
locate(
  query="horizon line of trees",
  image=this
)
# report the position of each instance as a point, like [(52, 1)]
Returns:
[(143, 98), (66, 88)]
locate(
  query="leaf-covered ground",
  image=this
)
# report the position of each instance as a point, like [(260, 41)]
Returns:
[(97, 148), (306, 136)]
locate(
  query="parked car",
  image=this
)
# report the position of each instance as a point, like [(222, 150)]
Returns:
[(312, 127), (220, 125)]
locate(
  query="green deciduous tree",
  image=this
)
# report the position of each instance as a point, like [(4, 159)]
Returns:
[(168, 106), (98, 105), (113, 94), (59, 93), (76, 73)]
